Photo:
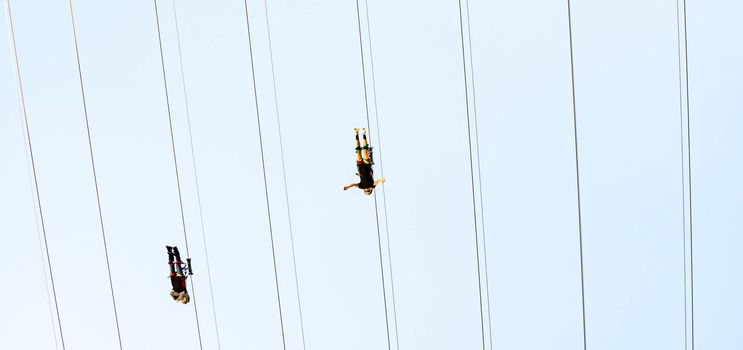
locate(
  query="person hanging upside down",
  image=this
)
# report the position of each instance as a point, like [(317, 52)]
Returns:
[(178, 276), (364, 162)]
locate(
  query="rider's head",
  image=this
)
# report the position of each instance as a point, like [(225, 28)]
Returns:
[(184, 298), (368, 191)]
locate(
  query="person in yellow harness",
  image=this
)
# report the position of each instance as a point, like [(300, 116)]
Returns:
[(364, 162)]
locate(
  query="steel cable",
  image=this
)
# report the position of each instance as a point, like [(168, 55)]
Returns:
[(577, 175), (381, 172), (265, 178), (95, 174), (196, 176), (479, 175), (477, 153), (34, 177), (175, 163), (472, 172), (683, 70), (283, 171), (376, 206)]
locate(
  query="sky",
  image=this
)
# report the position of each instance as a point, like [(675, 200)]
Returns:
[(335, 265)]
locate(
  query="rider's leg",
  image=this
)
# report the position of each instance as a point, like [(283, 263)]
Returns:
[(178, 262), (170, 260), (365, 148), (358, 146)]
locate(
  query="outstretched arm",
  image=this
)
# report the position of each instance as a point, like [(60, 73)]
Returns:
[(379, 181), (351, 185)]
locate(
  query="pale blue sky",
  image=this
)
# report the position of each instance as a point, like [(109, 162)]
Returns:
[(631, 161)]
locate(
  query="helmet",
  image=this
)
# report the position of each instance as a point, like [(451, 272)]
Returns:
[(368, 191)]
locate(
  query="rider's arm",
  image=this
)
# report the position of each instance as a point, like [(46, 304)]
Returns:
[(351, 185)]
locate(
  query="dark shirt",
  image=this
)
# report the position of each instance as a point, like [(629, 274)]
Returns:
[(178, 282), (366, 175)]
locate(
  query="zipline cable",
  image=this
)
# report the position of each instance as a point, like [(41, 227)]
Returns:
[(41, 243), (265, 177), (34, 177), (283, 171), (479, 176), (686, 172), (691, 222), (196, 174), (472, 173), (475, 129), (381, 173), (175, 163), (376, 207), (577, 175), (95, 174)]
